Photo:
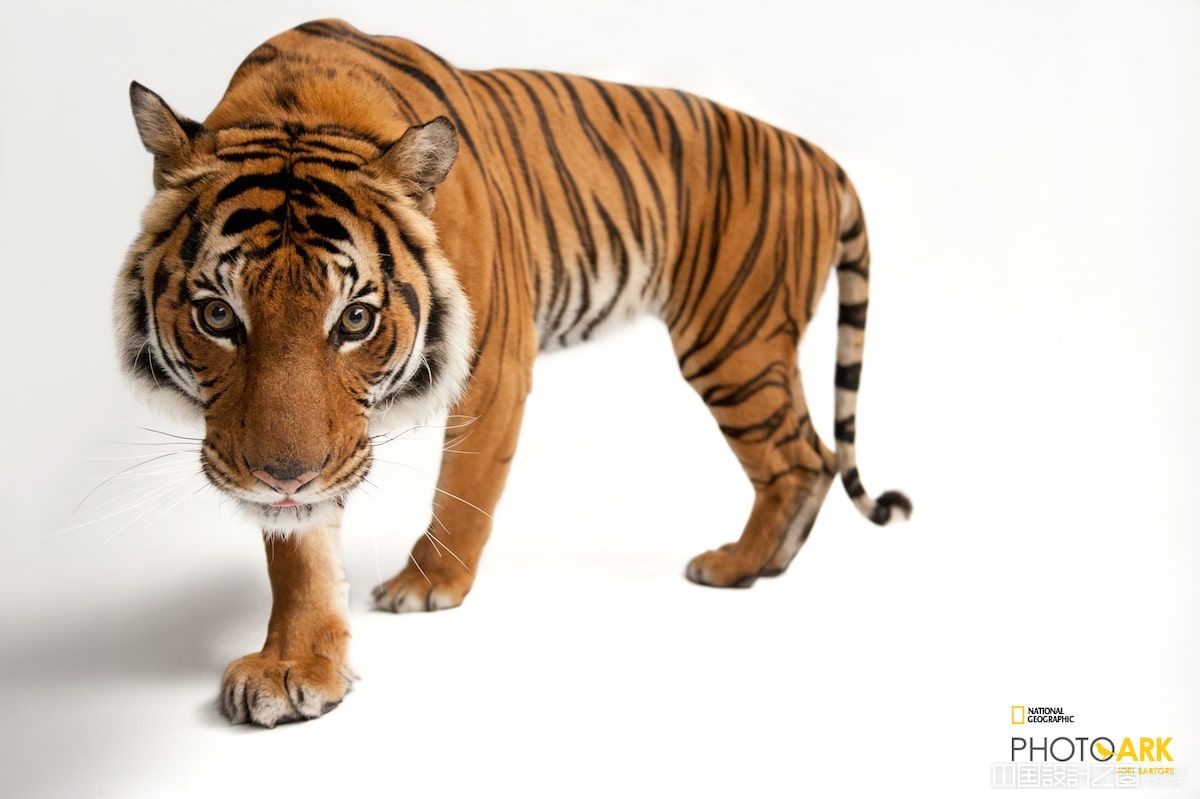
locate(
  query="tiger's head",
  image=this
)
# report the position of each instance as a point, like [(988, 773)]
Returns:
[(287, 287)]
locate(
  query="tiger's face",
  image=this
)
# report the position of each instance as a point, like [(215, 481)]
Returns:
[(288, 288)]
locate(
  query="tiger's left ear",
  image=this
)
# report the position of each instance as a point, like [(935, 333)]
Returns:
[(422, 158), (164, 133)]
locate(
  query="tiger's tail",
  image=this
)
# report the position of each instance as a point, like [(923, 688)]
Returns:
[(853, 272)]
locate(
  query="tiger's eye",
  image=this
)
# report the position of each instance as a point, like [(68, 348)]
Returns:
[(217, 317), (356, 321)]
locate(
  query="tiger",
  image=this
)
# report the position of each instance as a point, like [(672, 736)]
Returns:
[(360, 237)]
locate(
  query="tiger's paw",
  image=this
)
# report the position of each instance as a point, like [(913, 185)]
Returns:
[(264, 690), (722, 568), (439, 588)]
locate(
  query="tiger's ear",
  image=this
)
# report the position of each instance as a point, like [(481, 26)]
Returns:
[(164, 133), (422, 158)]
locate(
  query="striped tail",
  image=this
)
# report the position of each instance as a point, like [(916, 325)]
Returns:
[(853, 271)]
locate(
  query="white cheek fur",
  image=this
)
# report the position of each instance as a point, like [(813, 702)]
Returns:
[(453, 353)]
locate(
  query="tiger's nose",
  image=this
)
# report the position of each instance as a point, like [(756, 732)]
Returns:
[(286, 477)]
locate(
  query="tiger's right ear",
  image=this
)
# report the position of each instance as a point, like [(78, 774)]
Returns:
[(164, 133), (422, 158)]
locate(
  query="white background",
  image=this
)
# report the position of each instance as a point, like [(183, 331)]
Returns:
[(1032, 184)]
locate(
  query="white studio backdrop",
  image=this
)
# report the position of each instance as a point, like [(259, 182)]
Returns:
[(1031, 181)]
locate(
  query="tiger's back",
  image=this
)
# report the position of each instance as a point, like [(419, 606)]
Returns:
[(624, 199), (606, 199)]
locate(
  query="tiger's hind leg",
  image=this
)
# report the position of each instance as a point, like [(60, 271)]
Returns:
[(757, 399)]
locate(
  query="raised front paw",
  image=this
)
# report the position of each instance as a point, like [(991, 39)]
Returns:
[(264, 690), (437, 587)]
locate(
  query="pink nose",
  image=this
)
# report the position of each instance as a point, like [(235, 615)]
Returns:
[(288, 486)]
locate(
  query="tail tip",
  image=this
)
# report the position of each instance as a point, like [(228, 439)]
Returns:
[(891, 506)]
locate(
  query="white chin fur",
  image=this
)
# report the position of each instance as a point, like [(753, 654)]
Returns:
[(292, 519)]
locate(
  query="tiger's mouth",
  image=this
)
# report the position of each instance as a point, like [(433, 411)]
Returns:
[(290, 516), (311, 506)]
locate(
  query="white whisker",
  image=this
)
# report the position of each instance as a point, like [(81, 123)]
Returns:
[(127, 494), (418, 565), (393, 436), (463, 501), (154, 494), (438, 543), (123, 471), (155, 506), (433, 541), (161, 514), (460, 439), (436, 488), (448, 549), (145, 443), (374, 544), (144, 473), (162, 432), (135, 457), (153, 370)]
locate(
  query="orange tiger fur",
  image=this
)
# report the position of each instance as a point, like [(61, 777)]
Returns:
[(472, 218)]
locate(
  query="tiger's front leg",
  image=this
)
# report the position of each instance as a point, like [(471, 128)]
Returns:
[(301, 671), (481, 439)]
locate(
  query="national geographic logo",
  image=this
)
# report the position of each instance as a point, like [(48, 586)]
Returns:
[(1040, 715), (1078, 761)]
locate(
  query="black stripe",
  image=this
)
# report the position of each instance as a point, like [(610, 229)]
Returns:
[(606, 97), (159, 285), (276, 181), (393, 343), (141, 321), (253, 155), (243, 219), (621, 256), (385, 252), (759, 431), (854, 230), (647, 111), (747, 172), (326, 246), (333, 163), (263, 54), (409, 294), (774, 375), (843, 429), (884, 504), (858, 267), (414, 250), (846, 376), (557, 270), (853, 314), (191, 243), (854, 486), (328, 227), (335, 194)]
